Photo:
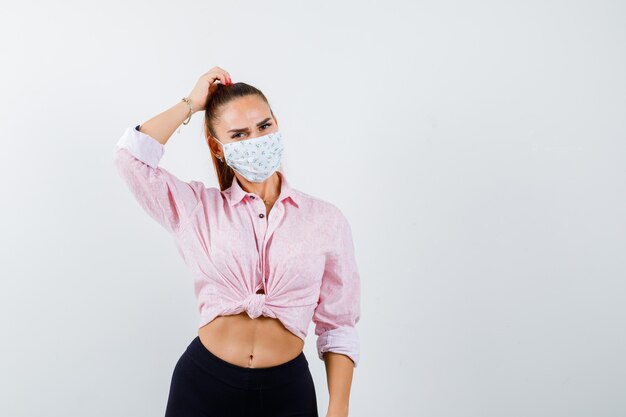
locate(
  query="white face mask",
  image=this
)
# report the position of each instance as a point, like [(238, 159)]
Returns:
[(257, 158)]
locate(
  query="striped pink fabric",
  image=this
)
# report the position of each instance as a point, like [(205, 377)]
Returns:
[(301, 255)]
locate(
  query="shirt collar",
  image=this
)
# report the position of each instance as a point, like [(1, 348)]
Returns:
[(286, 191)]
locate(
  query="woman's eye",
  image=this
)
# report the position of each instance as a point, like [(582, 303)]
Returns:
[(235, 136)]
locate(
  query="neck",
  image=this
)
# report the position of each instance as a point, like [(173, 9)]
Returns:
[(268, 190)]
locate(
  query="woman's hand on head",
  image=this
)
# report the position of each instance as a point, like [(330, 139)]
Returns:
[(206, 85)]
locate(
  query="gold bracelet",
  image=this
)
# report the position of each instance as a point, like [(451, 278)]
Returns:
[(186, 100)]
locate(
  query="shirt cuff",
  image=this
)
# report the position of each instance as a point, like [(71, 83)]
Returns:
[(142, 146), (344, 340)]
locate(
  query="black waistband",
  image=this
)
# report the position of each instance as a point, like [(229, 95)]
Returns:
[(244, 377)]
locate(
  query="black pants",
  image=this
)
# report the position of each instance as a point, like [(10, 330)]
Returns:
[(204, 385)]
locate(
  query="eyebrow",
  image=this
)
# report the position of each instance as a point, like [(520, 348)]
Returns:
[(245, 129)]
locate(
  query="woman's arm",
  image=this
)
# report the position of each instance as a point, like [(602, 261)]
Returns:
[(166, 198), (339, 370), (163, 125), (336, 316)]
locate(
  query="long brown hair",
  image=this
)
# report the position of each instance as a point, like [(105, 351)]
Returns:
[(223, 95)]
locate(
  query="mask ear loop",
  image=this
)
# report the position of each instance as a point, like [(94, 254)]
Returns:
[(221, 160)]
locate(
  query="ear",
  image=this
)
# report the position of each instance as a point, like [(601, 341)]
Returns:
[(213, 146)]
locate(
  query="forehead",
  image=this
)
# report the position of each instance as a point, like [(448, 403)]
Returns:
[(244, 112)]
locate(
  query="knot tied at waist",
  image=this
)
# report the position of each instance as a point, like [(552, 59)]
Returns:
[(253, 305)]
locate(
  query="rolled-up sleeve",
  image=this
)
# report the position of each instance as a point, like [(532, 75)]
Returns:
[(338, 309), (166, 198)]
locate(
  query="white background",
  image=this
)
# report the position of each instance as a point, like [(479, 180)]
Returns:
[(477, 149)]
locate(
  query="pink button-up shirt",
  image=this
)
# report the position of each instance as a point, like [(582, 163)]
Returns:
[(301, 254)]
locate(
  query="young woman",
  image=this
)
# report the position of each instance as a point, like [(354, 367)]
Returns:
[(267, 259)]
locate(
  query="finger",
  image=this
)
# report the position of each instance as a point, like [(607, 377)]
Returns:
[(214, 73), (226, 75), (218, 76)]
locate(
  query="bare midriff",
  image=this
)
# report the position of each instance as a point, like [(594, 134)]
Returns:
[(251, 343)]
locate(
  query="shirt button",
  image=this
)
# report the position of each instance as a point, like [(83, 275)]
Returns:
[(261, 215), (252, 197)]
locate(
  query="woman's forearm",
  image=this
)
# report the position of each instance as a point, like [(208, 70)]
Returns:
[(339, 371), (163, 125)]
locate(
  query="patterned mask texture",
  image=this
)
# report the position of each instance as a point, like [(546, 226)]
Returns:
[(257, 158)]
